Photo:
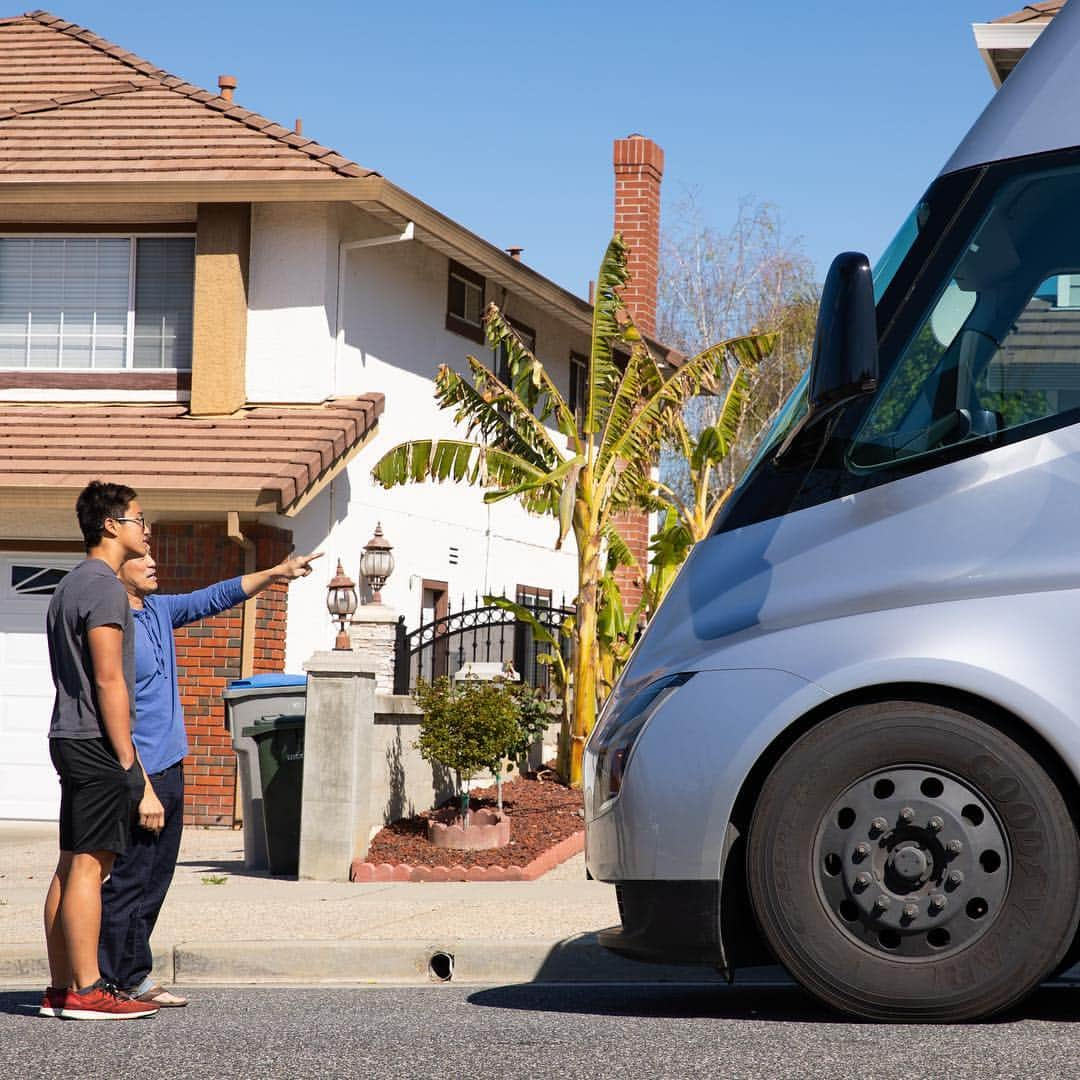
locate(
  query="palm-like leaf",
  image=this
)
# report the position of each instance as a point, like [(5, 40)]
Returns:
[(619, 553), (516, 417), (481, 414), (604, 373), (657, 417), (529, 379), (462, 461), (715, 442)]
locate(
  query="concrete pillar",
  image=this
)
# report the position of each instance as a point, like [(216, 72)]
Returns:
[(373, 632), (335, 814)]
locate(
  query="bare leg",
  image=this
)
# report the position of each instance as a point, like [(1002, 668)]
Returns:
[(80, 913), (59, 964)]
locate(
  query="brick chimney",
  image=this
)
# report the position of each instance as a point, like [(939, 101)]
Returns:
[(639, 168)]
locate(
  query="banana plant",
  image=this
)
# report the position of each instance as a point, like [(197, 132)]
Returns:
[(521, 440), (687, 521)]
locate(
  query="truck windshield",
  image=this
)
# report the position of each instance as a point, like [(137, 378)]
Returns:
[(997, 348)]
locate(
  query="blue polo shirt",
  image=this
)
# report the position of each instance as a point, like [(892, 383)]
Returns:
[(159, 731)]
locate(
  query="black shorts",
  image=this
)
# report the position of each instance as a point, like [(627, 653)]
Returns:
[(99, 799)]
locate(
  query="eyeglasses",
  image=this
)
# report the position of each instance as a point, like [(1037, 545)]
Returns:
[(140, 521)]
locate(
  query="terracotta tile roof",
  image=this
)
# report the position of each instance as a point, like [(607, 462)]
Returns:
[(270, 458), (75, 107), (1033, 12)]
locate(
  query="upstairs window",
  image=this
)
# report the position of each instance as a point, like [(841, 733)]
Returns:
[(578, 397), (465, 302), (103, 302)]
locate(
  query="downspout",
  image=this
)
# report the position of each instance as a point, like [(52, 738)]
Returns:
[(247, 622), (344, 247)]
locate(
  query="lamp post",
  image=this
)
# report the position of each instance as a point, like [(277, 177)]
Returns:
[(377, 563), (341, 603)]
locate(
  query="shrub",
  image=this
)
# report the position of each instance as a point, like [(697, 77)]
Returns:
[(468, 727)]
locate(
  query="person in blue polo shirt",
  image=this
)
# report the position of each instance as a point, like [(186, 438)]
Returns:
[(132, 896)]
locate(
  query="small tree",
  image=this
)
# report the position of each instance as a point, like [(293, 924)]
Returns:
[(467, 728)]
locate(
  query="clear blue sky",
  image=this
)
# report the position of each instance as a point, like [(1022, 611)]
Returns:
[(502, 117)]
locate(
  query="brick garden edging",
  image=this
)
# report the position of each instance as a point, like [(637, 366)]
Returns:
[(364, 872)]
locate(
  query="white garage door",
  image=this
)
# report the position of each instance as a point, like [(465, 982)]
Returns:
[(28, 784)]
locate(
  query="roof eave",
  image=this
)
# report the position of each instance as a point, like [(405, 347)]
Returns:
[(396, 207), (310, 189), (994, 38)]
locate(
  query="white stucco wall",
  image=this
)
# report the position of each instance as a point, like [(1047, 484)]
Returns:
[(394, 340), (291, 289)]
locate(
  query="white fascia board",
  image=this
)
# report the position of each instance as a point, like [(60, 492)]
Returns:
[(1007, 35)]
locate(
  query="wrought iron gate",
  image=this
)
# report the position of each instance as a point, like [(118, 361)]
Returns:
[(478, 634)]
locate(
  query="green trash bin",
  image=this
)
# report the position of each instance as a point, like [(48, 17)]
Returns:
[(280, 742)]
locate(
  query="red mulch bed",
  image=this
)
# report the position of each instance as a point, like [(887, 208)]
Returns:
[(541, 809)]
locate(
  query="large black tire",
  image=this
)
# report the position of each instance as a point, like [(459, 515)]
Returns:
[(829, 843)]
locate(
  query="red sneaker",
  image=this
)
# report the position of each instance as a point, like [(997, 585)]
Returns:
[(53, 1001), (104, 1002)]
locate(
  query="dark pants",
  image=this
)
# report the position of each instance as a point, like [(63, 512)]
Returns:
[(132, 897)]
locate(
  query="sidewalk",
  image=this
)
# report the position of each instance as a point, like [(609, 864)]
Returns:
[(224, 925)]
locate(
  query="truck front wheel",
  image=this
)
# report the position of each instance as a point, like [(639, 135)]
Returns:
[(910, 862)]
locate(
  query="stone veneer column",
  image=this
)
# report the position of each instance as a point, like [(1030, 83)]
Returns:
[(373, 632), (335, 812)]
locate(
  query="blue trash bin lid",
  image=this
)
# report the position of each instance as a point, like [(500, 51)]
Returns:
[(267, 680)]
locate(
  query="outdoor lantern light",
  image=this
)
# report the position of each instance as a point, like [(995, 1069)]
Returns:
[(341, 603), (377, 564)]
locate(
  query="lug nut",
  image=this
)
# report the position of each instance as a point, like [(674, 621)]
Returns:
[(882, 903), (911, 911), (863, 880), (937, 902), (954, 847), (936, 824), (878, 825), (955, 879), (907, 815), (861, 851)]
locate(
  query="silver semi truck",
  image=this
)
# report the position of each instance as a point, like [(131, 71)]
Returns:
[(849, 739)]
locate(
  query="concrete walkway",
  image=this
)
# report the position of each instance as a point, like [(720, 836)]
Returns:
[(224, 925)]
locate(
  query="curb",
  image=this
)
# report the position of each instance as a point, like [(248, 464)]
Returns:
[(365, 872), (318, 963)]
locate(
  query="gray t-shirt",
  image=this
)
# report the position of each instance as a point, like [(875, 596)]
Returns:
[(90, 595)]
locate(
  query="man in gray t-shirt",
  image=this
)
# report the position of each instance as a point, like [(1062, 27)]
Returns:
[(102, 786), (89, 596)]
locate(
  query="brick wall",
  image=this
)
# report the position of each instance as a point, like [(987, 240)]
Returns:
[(639, 168), (191, 555)]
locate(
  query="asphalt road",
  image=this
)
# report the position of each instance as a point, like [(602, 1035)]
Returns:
[(533, 1032)]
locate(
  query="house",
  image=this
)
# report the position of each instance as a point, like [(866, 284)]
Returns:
[(238, 321)]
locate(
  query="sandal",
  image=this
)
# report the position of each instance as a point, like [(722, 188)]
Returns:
[(163, 998)]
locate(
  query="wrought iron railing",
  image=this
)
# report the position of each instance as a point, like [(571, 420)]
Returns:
[(477, 634)]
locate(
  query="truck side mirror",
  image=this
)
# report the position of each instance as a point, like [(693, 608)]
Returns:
[(844, 363)]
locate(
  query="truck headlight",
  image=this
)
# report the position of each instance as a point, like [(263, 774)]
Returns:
[(620, 725)]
